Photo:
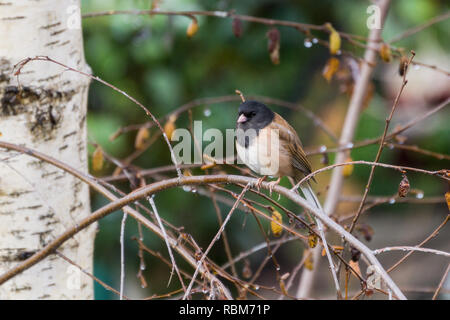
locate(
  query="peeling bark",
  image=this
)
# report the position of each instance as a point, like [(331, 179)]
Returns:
[(45, 110)]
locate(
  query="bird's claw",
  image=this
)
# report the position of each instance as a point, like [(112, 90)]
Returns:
[(259, 182), (272, 185)]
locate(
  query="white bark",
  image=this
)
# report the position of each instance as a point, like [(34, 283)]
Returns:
[(47, 113)]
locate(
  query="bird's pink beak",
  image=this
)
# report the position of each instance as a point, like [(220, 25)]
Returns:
[(242, 118)]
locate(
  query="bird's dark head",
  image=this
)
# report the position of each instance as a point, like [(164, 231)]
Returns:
[(254, 115)]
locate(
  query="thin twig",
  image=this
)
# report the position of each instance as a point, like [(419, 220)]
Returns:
[(441, 283), (216, 237), (100, 282), (166, 239), (406, 248), (421, 27), (122, 255)]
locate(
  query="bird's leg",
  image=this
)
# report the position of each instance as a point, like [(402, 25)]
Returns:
[(259, 182), (272, 184)]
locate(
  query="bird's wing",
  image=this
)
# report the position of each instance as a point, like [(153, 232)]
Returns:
[(290, 141)]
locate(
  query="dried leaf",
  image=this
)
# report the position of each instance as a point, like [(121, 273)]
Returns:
[(236, 25), (246, 270), (97, 159), (385, 52), (273, 45), (285, 276), (283, 287), (208, 166), (403, 66), (192, 28), (348, 169), (309, 263), (331, 68), (170, 127), (355, 267), (277, 229), (447, 199), (141, 138), (335, 39), (312, 240), (275, 55), (403, 187)]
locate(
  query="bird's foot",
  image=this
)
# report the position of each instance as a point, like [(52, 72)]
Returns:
[(259, 182), (272, 184)]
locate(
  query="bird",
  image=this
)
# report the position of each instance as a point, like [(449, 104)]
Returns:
[(269, 146)]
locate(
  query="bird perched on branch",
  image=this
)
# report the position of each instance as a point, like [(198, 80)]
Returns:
[(268, 145)]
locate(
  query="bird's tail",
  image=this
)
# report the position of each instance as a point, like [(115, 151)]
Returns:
[(311, 197)]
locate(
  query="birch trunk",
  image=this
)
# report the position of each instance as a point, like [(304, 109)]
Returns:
[(47, 112)]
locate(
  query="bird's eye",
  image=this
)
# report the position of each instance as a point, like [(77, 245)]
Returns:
[(253, 113)]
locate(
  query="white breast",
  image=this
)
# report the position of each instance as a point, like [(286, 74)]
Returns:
[(262, 155)]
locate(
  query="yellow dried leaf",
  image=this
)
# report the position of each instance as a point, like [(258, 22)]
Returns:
[(312, 240), (97, 159), (275, 55), (355, 267), (187, 173), (348, 169), (208, 166), (141, 138), (447, 198), (277, 229), (331, 68), (309, 263), (335, 39), (283, 287), (385, 52), (170, 127), (192, 28)]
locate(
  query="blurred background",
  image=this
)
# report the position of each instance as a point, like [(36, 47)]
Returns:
[(153, 60)]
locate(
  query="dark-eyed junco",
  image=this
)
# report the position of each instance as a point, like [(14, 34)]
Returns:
[(268, 145)]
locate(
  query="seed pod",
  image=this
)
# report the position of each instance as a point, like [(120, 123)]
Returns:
[(192, 28), (385, 52), (331, 68), (273, 45), (312, 240), (348, 169), (97, 159), (236, 25), (403, 187), (141, 138), (277, 229), (403, 66), (335, 39), (170, 127)]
